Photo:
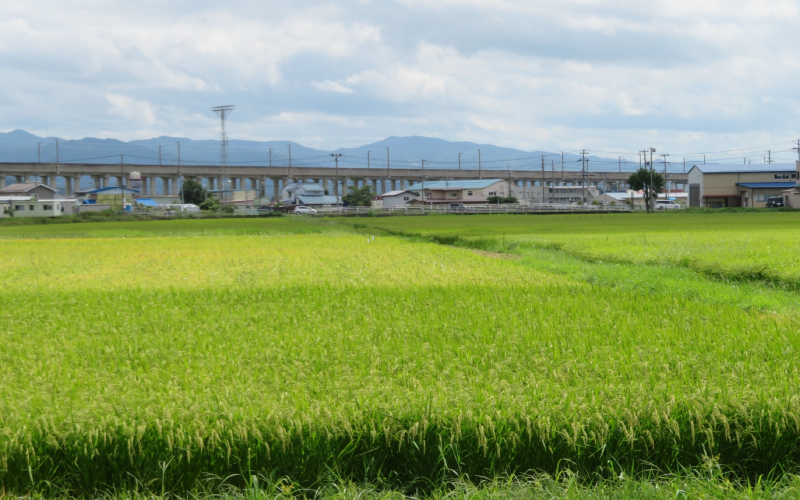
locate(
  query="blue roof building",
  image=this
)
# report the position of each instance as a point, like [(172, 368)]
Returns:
[(719, 185)]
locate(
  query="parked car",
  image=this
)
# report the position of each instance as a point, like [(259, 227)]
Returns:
[(304, 210), (774, 202), (457, 206), (667, 205)]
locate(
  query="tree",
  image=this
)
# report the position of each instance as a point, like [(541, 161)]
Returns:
[(358, 197), (210, 204), (501, 199), (193, 192), (641, 181)]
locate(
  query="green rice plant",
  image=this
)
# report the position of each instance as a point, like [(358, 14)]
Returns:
[(204, 359)]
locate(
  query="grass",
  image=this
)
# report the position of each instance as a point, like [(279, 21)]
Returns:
[(190, 356)]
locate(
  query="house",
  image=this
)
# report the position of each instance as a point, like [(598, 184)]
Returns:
[(791, 197), (395, 199), (30, 189), (291, 190), (31, 207), (467, 191), (721, 185)]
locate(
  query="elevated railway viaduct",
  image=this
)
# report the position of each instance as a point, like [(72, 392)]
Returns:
[(258, 178)]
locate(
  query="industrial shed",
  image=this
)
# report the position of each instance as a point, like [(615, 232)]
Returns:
[(720, 185)]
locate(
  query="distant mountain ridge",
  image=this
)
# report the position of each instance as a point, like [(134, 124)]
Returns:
[(404, 152)]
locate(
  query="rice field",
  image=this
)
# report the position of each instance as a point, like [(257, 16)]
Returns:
[(751, 246), (172, 359)]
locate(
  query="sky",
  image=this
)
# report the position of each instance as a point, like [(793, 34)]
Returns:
[(614, 77)]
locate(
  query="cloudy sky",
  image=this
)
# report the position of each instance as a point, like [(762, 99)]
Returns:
[(680, 75)]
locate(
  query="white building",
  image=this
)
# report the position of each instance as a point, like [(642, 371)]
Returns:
[(31, 207), (395, 199), (457, 191)]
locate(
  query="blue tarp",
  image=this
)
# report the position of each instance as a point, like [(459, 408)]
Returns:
[(147, 202)]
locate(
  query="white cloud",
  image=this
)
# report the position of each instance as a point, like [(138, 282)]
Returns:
[(549, 74), (331, 86)]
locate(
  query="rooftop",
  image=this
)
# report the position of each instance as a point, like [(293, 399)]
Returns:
[(766, 185), (394, 193), (109, 190), (23, 187), (308, 186), (468, 184), (314, 199), (739, 168)]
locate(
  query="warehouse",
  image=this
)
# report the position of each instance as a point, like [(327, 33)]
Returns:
[(721, 185)]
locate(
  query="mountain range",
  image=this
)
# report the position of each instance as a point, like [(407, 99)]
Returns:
[(404, 152)]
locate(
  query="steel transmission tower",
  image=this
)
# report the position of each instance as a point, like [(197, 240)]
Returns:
[(225, 187)]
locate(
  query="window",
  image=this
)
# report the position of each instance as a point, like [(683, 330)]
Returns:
[(19, 208), (405, 198), (492, 193), (794, 175), (31, 207), (453, 195), (783, 176), (47, 207), (427, 195), (760, 197), (469, 193)]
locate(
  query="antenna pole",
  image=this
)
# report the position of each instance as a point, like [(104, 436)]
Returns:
[(222, 112)]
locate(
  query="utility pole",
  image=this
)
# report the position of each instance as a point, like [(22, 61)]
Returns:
[(652, 150), (704, 159), (270, 157), (57, 159), (562, 166), (39, 151), (336, 191), (769, 156), (553, 176), (179, 153), (290, 156), (543, 198), (480, 174), (583, 175), (159, 154), (367, 160), (798, 149), (422, 193), (620, 164), (459, 156), (666, 185), (684, 165), (388, 164)]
